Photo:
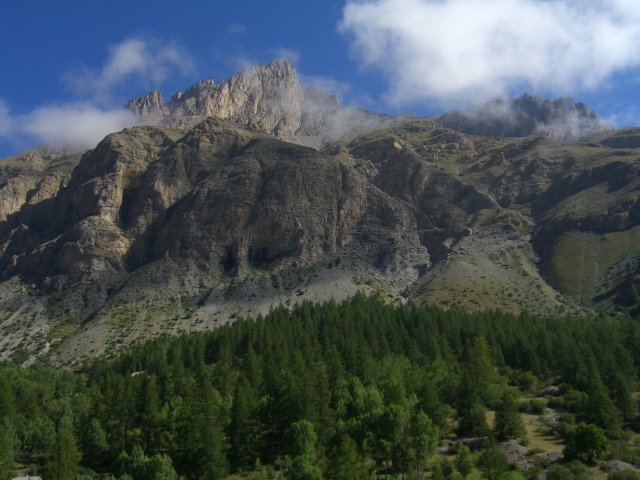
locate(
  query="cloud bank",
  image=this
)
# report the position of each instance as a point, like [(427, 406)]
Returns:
[(82, 123), (460, 51), (76, 126)]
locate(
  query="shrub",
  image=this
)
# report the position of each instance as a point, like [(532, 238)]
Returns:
[(626, 474)]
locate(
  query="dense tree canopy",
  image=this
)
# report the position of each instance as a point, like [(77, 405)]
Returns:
[(331, 390)]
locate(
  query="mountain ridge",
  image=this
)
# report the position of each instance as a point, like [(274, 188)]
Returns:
[(525, 116), (162, 229)]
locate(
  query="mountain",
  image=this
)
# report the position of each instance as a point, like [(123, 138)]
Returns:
[(234, 202), (527, 115)]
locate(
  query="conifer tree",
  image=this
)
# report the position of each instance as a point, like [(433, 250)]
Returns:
[(492, 462), (463, 461), (7, 449), (423, 439), (600, 410), (345, 463), (94, 444), (244, 433), (302, 444), (508, 421), (65, 456)]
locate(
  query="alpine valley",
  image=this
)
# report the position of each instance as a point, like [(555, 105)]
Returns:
[(238, 196)]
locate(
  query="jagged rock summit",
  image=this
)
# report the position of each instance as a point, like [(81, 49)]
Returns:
[(269, 98), (528, 115)]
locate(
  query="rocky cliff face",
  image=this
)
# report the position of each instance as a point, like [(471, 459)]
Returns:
[(215, 206), (161, 229), (31, 177)]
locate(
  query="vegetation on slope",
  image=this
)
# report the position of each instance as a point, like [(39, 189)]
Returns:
[(355, 390)]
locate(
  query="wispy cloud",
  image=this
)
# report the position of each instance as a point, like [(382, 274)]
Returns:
[(457, 51), (236, 28), (146, 61), (336, 87), (284, 53), (97, 111)]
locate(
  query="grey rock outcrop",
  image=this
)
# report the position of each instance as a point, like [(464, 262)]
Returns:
[(31, 177), (150, 107), (514, 450), (618, 466)]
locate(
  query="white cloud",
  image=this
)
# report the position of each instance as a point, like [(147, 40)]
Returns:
[(83, 123), (6, 123), (146, 61), (76, 126), (455, 51)]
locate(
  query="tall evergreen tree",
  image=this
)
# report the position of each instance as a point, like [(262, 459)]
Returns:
[(94, 444), (244, 429), (8, 443), (508, 421), (344, 461), (65, 457), (302, 445), (463, 461), (492, 462), (423, 439), (600, 410)]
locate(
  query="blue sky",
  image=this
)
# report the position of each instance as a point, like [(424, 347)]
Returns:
[(418, 56)]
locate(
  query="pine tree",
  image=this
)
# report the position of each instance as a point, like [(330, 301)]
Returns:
[(600, 410), (472, 420), (244, 431), (7, 449), (508, 421), (65, 456), (463, 461), (150, 408), (345, 463), (94, 444), (492, 462), (423, 439), (212, 459), (302, 445)]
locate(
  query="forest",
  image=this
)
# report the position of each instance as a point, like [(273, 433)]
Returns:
[(361, 389)]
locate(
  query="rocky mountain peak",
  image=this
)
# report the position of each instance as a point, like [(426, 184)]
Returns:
[(269, 98), (151, 107), (527, 115), (266, 97)]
